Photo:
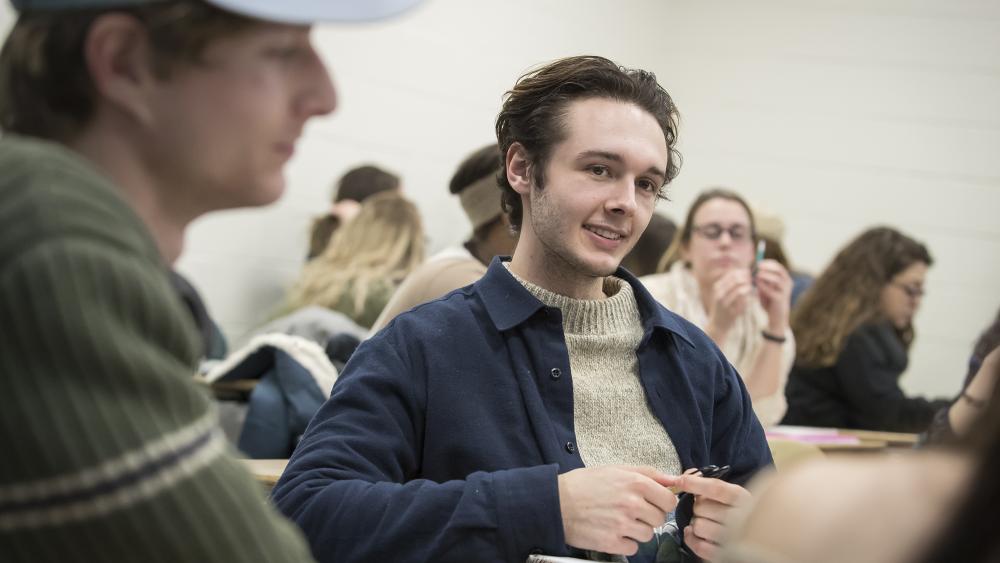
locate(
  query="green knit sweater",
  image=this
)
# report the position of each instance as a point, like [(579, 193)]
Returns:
[(108, 449)]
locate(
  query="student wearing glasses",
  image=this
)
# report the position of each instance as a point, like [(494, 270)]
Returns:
[(854, 328), (710, 277)]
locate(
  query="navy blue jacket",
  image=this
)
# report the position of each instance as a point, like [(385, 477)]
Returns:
[(444, 435)]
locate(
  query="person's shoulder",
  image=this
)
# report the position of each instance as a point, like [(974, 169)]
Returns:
[(50, 193), (38, 170), (692, 340), (442, 317), (873, 331), (657, 279), (807, 510), (879, 341), (462, 266), (659, 285), (450, 272)]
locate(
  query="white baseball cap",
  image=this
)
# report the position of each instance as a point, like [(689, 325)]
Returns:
[(283, 11)]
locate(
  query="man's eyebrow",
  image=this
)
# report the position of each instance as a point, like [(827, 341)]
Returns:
[(600, 154), (615, 157)]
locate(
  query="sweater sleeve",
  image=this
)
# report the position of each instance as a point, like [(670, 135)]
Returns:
[(111, 451), (354, 483), (868, 369)]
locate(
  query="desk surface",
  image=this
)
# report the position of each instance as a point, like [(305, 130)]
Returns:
[(862, 446), (266, 471), (843, 440), (892, 438)]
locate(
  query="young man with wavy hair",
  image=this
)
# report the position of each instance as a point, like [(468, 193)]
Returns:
[(123, 121), (548, 406)]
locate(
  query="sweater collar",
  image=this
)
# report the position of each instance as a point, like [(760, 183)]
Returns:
[(510, 304)]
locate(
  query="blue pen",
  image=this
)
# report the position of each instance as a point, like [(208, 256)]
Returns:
[(761, 247)]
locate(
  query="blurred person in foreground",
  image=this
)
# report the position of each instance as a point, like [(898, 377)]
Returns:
[(935, 505), (124, 121)]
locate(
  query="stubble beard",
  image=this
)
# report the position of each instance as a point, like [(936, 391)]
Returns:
[(555, 242)]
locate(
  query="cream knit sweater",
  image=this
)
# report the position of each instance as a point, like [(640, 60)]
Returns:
[(614, 424)]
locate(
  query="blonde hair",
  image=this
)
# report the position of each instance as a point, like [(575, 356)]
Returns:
[(383, 244)]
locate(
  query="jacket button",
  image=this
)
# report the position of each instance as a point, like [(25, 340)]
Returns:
[(556, 373), (570, 447)]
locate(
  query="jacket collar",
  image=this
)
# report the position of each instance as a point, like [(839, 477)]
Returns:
[(509, 303)]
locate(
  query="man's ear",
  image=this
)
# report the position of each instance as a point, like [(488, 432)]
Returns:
[(518, 168), (119, 59)]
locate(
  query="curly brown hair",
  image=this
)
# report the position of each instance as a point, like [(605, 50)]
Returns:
[(534, 112), (848, 294)]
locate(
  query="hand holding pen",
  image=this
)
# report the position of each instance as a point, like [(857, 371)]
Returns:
[(758, 257)]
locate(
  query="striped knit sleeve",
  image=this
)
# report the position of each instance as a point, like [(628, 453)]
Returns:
[(110, 451)]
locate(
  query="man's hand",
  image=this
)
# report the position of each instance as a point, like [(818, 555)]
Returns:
[(713, 500), (611, 509)]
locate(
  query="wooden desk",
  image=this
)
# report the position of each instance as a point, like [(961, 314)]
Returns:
[(266, 471), (862, 446), (893, 439), (843, 440)]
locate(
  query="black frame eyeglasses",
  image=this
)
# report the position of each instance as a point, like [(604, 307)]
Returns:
[(713, 231)]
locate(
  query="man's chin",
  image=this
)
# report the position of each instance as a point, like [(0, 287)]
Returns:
[(603, 269), (267, 193)]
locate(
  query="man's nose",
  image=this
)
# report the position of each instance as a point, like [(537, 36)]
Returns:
[(317, 95), (623, 199)]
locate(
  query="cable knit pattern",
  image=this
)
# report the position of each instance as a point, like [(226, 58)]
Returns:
[(614, 424)]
